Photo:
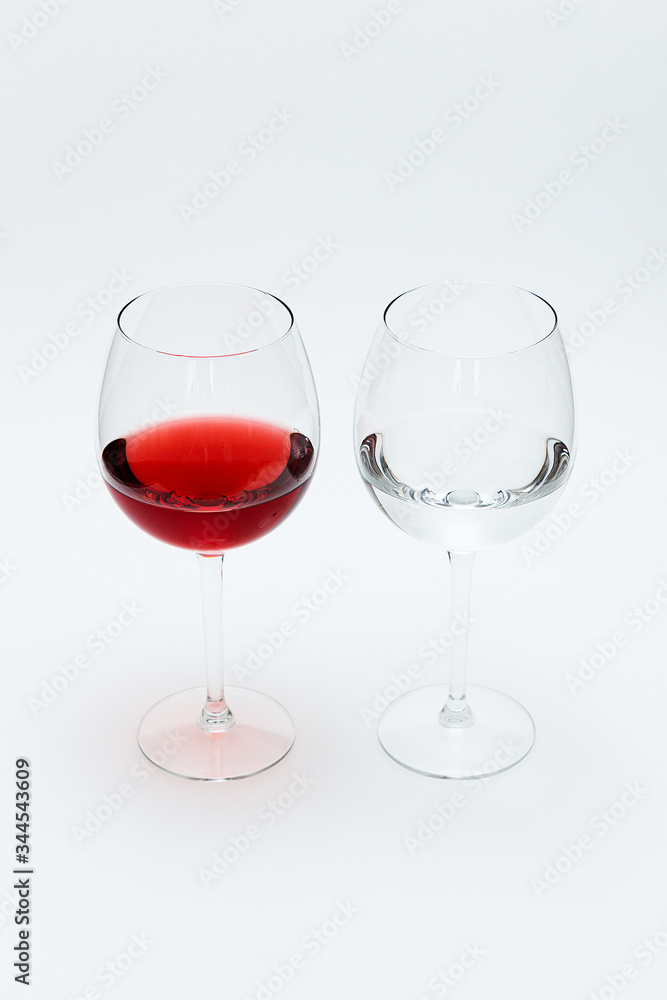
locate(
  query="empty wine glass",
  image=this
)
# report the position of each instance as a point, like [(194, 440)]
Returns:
[(227, 464), (464, 435)]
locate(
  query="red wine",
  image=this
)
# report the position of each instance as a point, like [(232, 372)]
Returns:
[(208, 483)]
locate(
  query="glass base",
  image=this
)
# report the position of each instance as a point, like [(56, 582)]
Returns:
[(170, 736), (501, 734)]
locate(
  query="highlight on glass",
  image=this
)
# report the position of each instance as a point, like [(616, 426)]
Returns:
[(464, 437), (230, 462)]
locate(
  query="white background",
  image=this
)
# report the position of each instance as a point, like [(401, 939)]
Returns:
[(69, 566)]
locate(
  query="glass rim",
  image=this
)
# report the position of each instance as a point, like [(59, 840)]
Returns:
[(492, 284), (206, 284)]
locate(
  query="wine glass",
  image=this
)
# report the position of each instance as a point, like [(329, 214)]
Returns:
[(464, 435), (207, 438)]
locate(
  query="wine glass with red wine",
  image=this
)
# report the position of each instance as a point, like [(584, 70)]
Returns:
[(230, 461)]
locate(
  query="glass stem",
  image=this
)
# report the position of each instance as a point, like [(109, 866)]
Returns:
[(456, 713), (216, 716)]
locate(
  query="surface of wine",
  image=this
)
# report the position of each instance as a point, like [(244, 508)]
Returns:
[(208, 483), (470, 505)]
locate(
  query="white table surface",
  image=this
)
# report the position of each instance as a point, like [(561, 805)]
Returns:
[(475, 901)]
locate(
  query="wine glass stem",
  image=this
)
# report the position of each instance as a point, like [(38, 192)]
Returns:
[(216, 716), (456, 713)]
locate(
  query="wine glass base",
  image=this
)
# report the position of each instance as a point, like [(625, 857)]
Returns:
[(501, 734), (170, 736)]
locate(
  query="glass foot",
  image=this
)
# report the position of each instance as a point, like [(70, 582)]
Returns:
[(501, 734), (169, 735)]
